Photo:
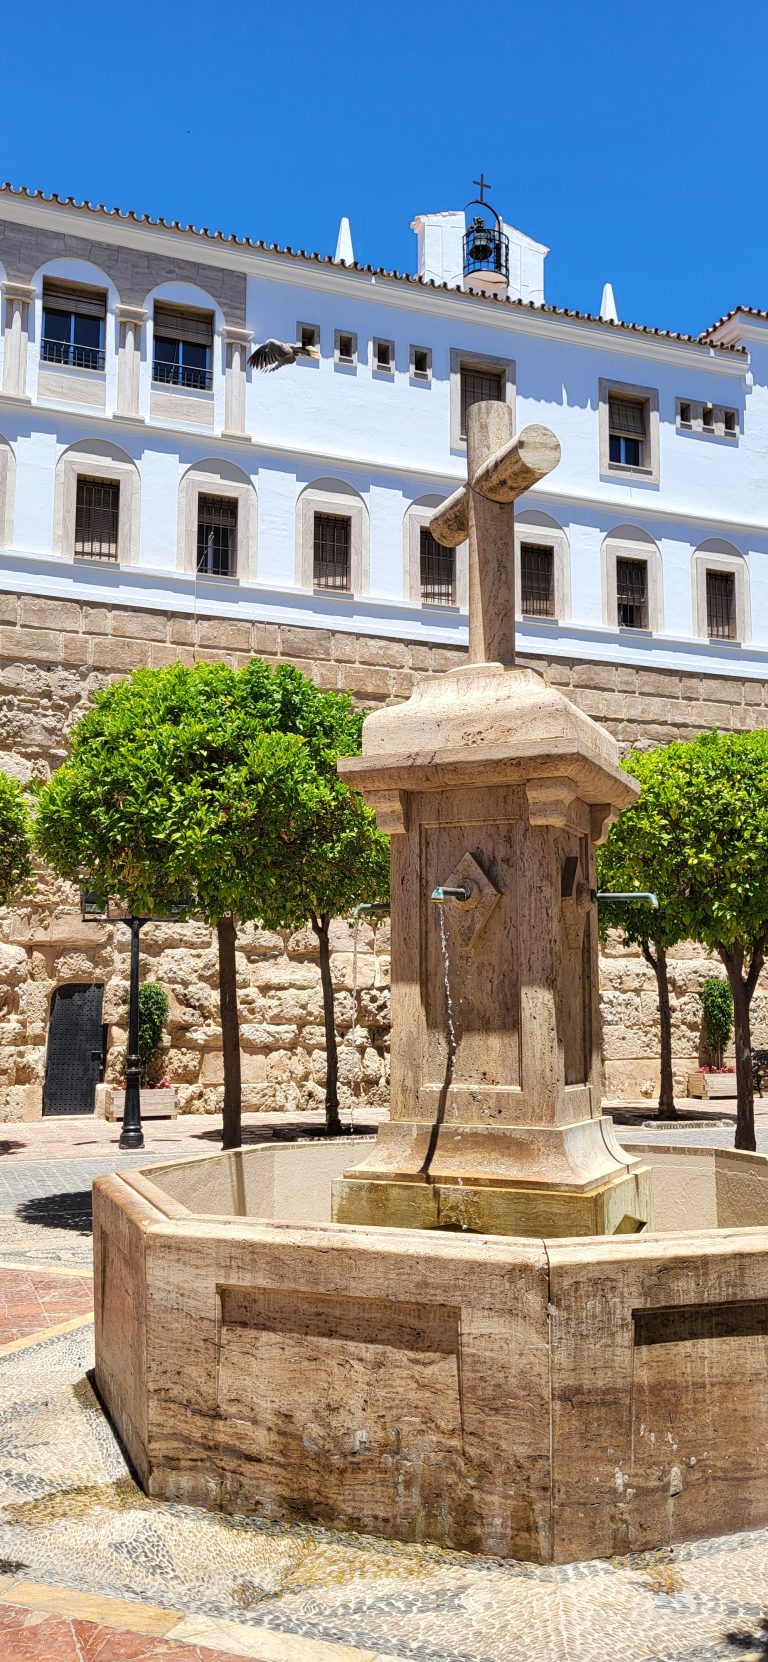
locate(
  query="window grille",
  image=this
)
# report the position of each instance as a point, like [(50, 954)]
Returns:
[(332, 551), (537, 580), (97, 518), (632, 593), (216, 535), (721, 605), (438, 571), (477, 385)]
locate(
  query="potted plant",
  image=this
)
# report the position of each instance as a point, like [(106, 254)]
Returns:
[(158, 1097), (715, 1080)]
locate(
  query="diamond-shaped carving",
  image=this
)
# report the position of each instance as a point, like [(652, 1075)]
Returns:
[(483, 895)]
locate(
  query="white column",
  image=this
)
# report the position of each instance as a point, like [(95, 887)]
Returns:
[(236, 343), (130, 320), (18, 298)]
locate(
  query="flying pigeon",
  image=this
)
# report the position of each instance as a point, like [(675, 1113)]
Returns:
[(275, 354)]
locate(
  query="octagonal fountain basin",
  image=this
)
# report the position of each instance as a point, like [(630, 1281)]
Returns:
[(539, 1399)]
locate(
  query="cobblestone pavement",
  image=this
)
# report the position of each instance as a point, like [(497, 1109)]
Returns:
[(93, 1571)]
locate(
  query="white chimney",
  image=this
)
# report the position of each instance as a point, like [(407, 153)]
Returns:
[(608, 310), (344, 253)]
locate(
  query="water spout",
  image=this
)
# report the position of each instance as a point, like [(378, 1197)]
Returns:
[(651, 900), (440, 894), (370, 906)]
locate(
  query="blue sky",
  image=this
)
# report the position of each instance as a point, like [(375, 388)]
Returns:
[(629, 137)]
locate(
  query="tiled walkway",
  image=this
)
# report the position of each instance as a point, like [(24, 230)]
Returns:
[(93, 1571)]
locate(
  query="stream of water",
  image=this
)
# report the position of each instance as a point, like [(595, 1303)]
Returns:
[(450, 1025)]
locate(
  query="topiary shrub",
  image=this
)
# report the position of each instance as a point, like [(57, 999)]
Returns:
[(717, 1005), (153, 1015)]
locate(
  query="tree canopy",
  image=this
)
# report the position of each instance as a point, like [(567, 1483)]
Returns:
[(15, 839), (704, 812)]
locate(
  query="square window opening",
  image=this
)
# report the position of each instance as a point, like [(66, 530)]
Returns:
[(632, 593), (97, 518), (216, 536), (708, 418), (729, 421), (437, 571), (721, 605), (346, 348), (421, 363), (537, 580), (332, 552), (685, 415), (383, 355), (309, 334)]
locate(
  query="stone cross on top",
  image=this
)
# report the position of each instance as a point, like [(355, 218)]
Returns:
[(500, 467)]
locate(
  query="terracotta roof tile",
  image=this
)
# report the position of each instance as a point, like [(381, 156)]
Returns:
[(7, 189), (747, 311)]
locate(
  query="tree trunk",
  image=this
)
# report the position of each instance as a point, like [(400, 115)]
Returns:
[(667, 1109), (333, 1124), (742, 987), (230, 1032)]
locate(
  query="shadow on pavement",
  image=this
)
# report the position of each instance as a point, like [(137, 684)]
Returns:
[(7, 1147), (65, 1211), (252, 1135), (745, 1643)]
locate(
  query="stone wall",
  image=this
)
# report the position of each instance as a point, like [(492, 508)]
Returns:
[(54, 654)]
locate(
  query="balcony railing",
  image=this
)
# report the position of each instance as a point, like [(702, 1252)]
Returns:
[(77, 357), (182, 375)]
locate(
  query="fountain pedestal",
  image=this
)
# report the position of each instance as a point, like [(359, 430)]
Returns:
[(491, 781)]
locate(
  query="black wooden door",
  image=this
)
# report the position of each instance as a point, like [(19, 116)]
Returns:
[(75, 1050)]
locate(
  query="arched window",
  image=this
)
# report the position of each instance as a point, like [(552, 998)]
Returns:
[(542, 567), (74, 326), (632, 587), (720, 579), (433, 575), (184, 355), (217, 521), (332, 539), (97, 503)]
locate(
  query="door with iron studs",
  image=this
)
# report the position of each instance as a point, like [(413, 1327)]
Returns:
[(76, 1049)]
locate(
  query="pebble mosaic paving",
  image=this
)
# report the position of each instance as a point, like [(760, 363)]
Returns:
[(75, 1530)]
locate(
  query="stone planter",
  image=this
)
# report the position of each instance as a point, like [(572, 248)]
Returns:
[(712, 1085), (155, 1105)]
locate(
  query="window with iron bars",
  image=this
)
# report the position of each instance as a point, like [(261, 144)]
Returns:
[(632, 593), (721, 605), (537, 580), (476, 385), (626, 431), (216, 536), (333, 537), (438, 571), (73, 325), (97, 518)]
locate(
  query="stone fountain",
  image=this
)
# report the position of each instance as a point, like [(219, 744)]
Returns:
[(471, 1336)]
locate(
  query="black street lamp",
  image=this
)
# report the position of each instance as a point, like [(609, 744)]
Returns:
[(131, 1134)]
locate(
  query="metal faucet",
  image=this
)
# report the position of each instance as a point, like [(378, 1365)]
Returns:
[(441, 894), (632, 894), (370, 906)]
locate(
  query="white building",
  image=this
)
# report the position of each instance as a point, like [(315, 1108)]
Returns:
[(143, 465)]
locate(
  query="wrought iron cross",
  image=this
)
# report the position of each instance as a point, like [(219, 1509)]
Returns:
[(500, 467), (483, 186)]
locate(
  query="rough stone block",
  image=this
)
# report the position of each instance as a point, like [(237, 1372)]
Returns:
[(225, 632), (140, 626), (305, 643), (39, 611)]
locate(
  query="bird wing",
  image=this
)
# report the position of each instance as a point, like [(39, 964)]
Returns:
[(272, 354)]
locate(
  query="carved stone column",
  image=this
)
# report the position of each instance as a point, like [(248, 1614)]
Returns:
[(130, 322), (18, 298), (236, 343)]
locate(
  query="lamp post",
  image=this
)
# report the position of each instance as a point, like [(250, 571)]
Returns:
[(131, 1133)]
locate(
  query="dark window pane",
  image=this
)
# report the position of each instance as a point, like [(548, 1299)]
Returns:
[(438, 571), (721, 605), (332, 551), (87, 331), (537, 580), (57, 325), (627, 451), (216, 535), (632, 593), (194, 355), (167, 351), (477, 385), (97, 512)]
